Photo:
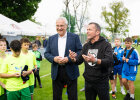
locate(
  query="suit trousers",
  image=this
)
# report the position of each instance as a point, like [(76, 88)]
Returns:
[(61, 80)]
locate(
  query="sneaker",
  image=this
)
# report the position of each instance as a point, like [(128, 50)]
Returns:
[(113, 96), (110, 92), (127, 97), (83, 89), (131, 98), (123, 92)]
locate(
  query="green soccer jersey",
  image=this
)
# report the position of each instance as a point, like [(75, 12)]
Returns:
[(13, 65), (1, 79), (30, 56), (37, 54)]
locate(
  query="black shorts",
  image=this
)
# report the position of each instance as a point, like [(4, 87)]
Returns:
[(111, 76)]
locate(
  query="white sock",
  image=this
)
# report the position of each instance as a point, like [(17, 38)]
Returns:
[(132, 96), (122, 88), (128, 91), (115, 88)]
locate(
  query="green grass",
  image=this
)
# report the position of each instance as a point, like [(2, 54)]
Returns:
[(45, 93)]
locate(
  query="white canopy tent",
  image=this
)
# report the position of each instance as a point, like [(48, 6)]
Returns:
[(9, 26), (50, 30), (31, 29)]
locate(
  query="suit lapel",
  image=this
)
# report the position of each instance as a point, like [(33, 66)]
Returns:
[(56, 44)]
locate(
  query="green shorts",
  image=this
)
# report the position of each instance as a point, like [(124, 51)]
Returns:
[(23, 94), (3, 97), (31, 89)]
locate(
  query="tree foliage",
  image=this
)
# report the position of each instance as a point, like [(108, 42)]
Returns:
[(69, 16), (116, 19), (103, 35), (19, 10), (71, 21)]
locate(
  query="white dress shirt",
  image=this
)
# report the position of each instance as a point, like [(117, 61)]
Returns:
[(62, 45)]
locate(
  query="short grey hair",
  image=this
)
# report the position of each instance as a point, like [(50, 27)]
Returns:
[(96, 25), (64, 19)]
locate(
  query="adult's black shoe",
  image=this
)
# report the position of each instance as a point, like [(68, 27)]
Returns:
[(40, 86), (131, 98), (127, 97)]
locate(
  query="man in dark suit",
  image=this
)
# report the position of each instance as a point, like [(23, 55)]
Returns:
[(63, 71)]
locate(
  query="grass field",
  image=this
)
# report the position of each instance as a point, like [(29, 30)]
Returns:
[(45, 93)]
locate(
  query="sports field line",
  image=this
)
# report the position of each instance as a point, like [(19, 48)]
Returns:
[(45, 75)]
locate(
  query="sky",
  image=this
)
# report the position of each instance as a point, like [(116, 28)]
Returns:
[(50, 10)]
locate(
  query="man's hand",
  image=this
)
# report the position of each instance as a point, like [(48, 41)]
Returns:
[(64, 60), (60, 60), (57, 59), (89, 58), (72, 55), (16, 75)]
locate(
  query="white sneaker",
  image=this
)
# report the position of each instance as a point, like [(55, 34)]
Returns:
[(123, 92), (110, 92), (83, 89), (115, 90)]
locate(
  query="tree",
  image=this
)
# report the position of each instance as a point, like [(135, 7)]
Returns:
[(103, 35), (117, 19), (18, 10), (80, 10), (67, 2), (71, 20), (69, 17), (33, 19)]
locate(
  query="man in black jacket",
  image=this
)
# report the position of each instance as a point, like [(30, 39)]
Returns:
[(97, 56)]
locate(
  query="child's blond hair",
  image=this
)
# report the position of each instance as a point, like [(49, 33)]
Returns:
[(118, 39), (34, 45)]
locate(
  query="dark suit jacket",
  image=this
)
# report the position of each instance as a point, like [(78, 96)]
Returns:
[(73, 43)]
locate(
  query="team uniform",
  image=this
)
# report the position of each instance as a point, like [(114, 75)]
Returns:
[(118, 68), (2, 91), (38, 59), (130, 69), (16, 90), (31, 63)]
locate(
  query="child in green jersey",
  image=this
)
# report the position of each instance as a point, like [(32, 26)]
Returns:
[(11, 70), (30, 56), (38, 59), (2, 58)]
